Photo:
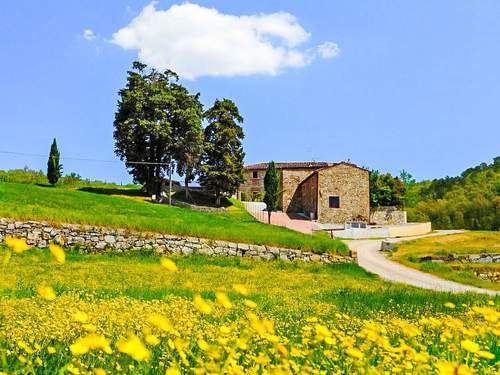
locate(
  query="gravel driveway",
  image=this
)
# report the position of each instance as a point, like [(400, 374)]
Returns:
[(373, 260)]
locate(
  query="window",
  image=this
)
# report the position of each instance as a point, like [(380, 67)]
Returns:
[(255, 174), (334, 202)]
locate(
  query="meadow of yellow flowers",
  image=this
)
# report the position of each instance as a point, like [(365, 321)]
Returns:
[(60, 326)]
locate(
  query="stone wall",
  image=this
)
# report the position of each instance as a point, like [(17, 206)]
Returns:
[(290, 181), (309, 196), (387, 216), (252, 185), (352, 185), (96, 239)]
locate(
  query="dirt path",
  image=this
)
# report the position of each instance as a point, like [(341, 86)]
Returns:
[(373, 260)]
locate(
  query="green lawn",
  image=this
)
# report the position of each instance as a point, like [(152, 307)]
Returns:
[(410, 253), (281, 288), (125, 207)]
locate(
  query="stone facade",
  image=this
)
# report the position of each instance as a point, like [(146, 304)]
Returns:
[(290, 181), (351, 185), (387, 216), (98, 239), (309, 196)]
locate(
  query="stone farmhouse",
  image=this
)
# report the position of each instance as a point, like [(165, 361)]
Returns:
[(324, 191)]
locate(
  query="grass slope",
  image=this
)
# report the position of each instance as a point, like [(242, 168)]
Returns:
[(278, 287), (410, 252), (126, 208)]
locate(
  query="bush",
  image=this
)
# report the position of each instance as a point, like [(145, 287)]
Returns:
[(259, 197), (245, 197)]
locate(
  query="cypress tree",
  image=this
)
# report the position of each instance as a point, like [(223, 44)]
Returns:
[(271, 187), (54, 168)]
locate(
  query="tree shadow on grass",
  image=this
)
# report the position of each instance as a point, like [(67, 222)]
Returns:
[(114, 191), (45, 185)]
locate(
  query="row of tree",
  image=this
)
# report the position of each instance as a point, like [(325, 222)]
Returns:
[(159, 130)]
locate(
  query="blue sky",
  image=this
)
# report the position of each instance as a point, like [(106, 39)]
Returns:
[(413, 85)]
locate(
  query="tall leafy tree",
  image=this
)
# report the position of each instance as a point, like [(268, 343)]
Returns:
[(188, 135), (386, 190), (271, 187), (222, 168), (54, 167), (143, 125)]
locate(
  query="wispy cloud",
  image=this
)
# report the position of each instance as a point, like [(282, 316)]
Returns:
[(88, 34)]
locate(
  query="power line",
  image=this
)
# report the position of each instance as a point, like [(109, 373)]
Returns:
[(82, 159)]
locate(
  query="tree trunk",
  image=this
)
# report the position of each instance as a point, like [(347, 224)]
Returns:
[(170, 183), (217, 197), (269, 216), (186, 189)]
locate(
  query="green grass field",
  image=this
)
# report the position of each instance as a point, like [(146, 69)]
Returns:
[(410, 252), (125, 207), (295, 317)]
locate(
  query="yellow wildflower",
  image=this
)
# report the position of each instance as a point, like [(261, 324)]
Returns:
[(202, 344), (470, 346), (249, 303), (17, 245), (99, 371), (449, 305), (485, 354), (354, 353), (223, 300), (89, 327), (160, 322), (241, 289), (80, 317), (134, 347), (169, 264), (72, 369), (51, 350), (202, 305), (152, 340), (57, 252), (90, 342), (46, 292), (172, 371)]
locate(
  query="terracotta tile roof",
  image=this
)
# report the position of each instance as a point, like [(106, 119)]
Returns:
[(292, 165)]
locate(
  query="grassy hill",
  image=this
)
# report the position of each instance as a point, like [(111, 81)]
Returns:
[(125, 207), (468, 201)]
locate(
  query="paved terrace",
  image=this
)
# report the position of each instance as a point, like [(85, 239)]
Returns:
[(290, 221)]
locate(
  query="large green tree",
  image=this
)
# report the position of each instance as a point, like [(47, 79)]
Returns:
[(187, 135), (386, 190), (143, 125), (271, 188), (54, 167), (222, 168)]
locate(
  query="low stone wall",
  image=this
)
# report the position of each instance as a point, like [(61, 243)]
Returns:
[(467, 258), (95, 239), (196, 207), (387, 216)]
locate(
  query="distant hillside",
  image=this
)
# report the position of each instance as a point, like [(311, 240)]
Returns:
[(470, 201)]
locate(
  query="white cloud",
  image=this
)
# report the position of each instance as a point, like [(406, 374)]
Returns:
[(196, 41), (88, 34), (328, 50)]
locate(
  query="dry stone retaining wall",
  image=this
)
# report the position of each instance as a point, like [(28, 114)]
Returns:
[(95, 239), (387, 216)]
